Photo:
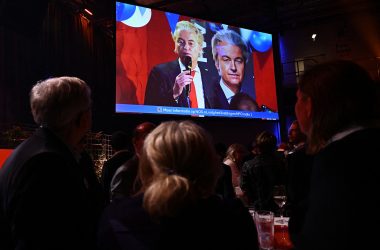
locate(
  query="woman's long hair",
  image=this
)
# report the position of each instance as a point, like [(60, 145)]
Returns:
[(178, 166), (342, 94)]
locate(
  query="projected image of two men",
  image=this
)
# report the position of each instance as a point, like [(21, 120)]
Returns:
[(172, 64)]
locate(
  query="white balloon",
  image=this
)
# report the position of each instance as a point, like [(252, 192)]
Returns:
[(140, 18)]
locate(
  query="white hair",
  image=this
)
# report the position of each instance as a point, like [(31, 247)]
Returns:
[(55, 102)]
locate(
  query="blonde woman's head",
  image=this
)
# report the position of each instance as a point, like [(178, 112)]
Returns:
[(178, 165)]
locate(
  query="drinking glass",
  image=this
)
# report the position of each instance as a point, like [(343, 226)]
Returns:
[(279, 197), (264, 221)]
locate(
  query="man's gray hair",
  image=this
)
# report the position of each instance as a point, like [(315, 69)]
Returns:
[(231, 37), (55, 102)]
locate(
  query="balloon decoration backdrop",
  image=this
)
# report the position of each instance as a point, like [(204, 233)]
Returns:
[(124, 11), (260, 41)]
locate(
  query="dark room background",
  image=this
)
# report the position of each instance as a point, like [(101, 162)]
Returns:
[(45, 38)]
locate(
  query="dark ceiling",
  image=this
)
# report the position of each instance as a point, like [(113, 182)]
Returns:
[(264, 15), (267, 15)]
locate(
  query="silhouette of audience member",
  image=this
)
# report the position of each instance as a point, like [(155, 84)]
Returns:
[(235, 156), (96, 196), (177, 207), (125, 182), (253, 151), (45, 202), (230, 54), (119, 143), (299, 167), (296, 138), (345, 175), (167, 81), (242, 101), (224, 186), (262, 173)]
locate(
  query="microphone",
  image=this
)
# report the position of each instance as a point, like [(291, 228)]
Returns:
[(188, 65)]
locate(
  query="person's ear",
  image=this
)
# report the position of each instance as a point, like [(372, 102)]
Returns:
[(217, 66)]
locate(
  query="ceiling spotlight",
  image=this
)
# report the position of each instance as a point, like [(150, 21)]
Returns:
[(314, 36), (88, 12)]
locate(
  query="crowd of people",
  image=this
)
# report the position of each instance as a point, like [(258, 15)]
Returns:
[(177, 189)]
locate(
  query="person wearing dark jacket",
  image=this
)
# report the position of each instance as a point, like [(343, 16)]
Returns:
[(167, 82), (119, 143), (344, 138), (44, 200), (230, 54), (262, 173), (125, 182)]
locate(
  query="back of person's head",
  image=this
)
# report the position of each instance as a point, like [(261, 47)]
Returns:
[(236, 152), (56, 102), (295, 134), (342, 94), (178, 165), (231, 37), (143, 129), (119, 140), (266, 142), (139, 134), (243, 101), (188, 26)]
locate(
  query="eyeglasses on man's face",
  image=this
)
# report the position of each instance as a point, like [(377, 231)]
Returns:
[(182, 43)]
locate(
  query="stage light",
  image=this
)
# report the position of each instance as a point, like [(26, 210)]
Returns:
[(88, 12), (314, 36)]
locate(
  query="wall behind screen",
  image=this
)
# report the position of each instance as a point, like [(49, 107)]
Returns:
[(69, 45)]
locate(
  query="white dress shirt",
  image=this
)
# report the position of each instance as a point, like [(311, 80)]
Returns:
[(197, 83), (227, 92)]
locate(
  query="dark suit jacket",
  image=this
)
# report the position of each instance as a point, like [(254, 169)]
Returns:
[(299, 166), (258, 178), (44, 201), (217, 98), (224, 187), (124, 182), (109, 170), (159, 89), (344, 195)]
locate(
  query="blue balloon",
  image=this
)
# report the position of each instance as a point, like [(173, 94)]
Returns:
[(215, 27), (260, 41), (172, 19), (124, 11)]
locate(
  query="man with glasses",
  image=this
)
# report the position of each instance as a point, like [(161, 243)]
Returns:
[(167, 82)]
